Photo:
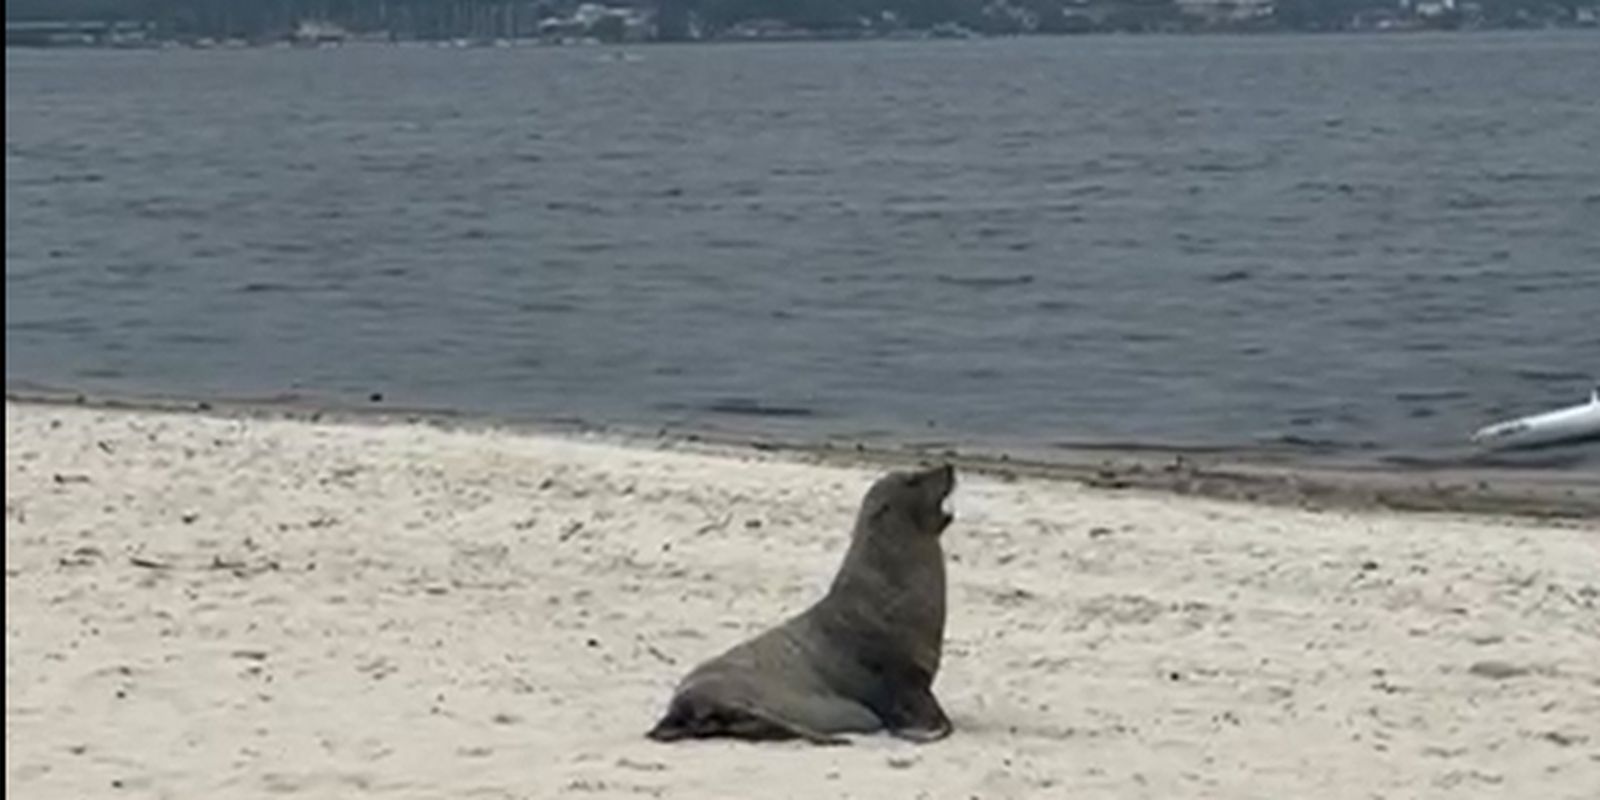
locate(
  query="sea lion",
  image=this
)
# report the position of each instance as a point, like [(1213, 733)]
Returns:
[(862, 659)]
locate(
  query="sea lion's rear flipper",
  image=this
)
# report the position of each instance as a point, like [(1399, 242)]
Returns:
[(803, 732), (698, 718), (682, 721), (916, 716)]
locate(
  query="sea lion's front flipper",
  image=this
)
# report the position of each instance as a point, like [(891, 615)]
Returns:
[(916, 716)]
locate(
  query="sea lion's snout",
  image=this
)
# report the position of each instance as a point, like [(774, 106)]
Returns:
[(938, 480), (916, 497), (937, 484)]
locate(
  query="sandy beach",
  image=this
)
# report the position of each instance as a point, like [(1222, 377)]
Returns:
[(207, 606)]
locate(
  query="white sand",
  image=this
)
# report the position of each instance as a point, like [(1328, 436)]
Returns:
[(354, 610)]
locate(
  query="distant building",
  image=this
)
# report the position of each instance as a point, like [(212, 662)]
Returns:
[(766, 29), (1227, 12), (600, 22), (1428, 9), (76, 33), (313, 32)]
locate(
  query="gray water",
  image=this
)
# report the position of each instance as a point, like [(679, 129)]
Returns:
[(1329, 244)]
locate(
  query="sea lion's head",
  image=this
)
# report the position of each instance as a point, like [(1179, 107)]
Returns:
[(912, 500)]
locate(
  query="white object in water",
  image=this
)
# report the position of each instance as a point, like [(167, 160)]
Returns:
[(1552, 427)]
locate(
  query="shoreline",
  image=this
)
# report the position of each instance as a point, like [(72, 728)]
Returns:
[(1259, 477)]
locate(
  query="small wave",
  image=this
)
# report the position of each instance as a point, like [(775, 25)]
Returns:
[(1316, 444), (1222, 167), (289, 247), (1134, 446), (585, 209), (1147, 337), (716, 243), (266, 287), (746, 407), (1566, 456), (998, 282), (66, 179), (1521, 176), (917, 199), (1556, 376), (71, 326), (186, 337), (548, 307), (1231, 276), (1429, 347), (1470, 202), (1429, 395)]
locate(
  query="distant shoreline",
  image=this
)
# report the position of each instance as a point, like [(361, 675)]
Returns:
[(791, 37), (1229, 474)]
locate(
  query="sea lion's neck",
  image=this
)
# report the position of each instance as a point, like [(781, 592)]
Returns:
[(905, 574)]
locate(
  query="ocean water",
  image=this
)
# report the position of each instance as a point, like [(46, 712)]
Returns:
[(1362, 247)]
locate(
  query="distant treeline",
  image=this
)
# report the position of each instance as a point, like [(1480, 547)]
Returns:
[(676, 19)]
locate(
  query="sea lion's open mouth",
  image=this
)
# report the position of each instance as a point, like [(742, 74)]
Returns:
[(945, 513)]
